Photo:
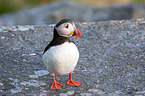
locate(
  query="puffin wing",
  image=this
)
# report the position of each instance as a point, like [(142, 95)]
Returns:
[(48, 46)]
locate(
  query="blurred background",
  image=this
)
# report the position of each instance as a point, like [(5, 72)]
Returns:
[(38, 12)]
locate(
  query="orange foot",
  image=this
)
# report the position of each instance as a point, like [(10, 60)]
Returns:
[(72, 82), (56, 86)]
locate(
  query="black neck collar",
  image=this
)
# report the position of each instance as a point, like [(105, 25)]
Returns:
[(57, 40)]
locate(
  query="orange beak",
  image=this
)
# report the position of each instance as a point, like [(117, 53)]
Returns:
[(78, 33)]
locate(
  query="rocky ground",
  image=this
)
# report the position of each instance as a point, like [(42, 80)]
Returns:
[(112, 60)]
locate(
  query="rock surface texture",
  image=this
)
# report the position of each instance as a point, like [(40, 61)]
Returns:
[(112, 60)]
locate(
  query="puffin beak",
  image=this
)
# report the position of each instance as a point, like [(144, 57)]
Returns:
[(76, 33)]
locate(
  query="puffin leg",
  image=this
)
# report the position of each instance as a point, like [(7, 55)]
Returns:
[(72, 82), (55, 85)]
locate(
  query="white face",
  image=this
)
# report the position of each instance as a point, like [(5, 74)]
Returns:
[(65, 29)]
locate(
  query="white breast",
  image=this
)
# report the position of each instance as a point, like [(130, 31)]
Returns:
[(61, 59)]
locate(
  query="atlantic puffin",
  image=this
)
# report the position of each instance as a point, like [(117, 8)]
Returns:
[(61, 55)]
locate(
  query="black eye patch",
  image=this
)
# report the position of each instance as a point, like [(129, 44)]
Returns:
[(66, 26)]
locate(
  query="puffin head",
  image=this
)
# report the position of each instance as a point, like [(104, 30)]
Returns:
[(67, 28)]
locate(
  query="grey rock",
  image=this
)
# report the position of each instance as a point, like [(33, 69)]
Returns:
[(112, 60), (51, 13)]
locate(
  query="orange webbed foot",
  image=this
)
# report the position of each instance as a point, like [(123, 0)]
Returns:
[(73, 83), (56, 86)]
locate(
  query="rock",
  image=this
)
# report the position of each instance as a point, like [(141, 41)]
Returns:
[(112, 59), (51, 13)]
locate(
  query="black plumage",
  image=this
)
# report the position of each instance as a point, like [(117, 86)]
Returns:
[(57, 40)]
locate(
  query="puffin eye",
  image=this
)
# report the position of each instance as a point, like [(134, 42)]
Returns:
[(66, 26)]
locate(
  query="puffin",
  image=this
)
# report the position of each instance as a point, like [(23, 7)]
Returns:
[(61, 55)]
